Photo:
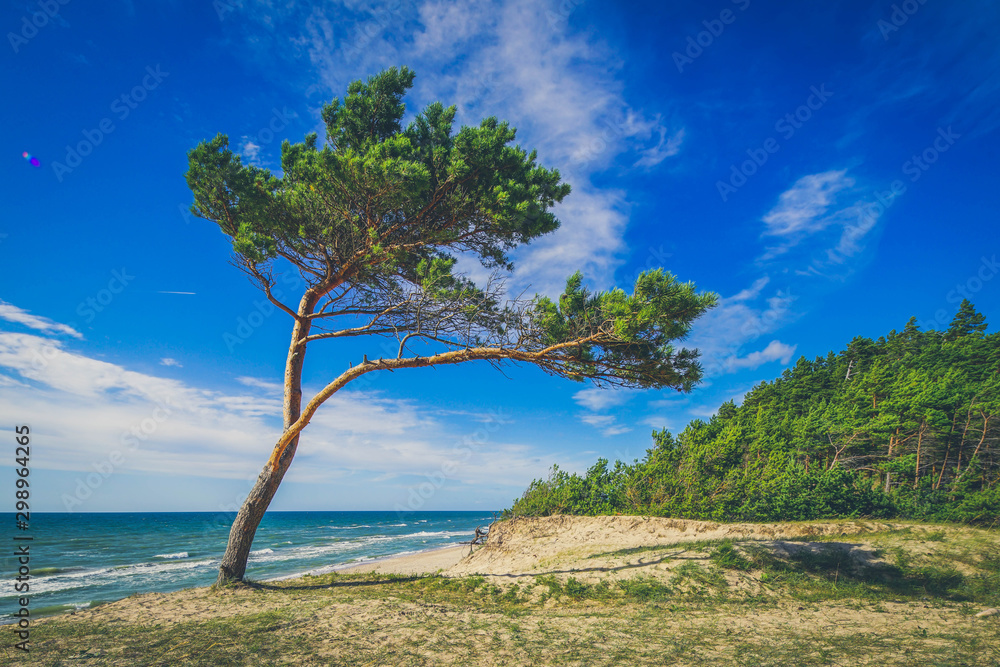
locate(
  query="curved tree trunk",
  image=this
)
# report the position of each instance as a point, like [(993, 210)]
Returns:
[(241, 535)]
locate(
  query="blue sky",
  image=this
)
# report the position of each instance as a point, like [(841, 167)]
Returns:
[(829, 170)]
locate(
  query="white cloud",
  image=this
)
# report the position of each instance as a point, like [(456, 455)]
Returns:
[(269, 387), (601, 399), (595, 400), (666, 148), (250, 151), (597, 420), (607, 424), (658, 422), (750, 293), (775, 351), (738, 321), (446, 25), (812, 210), (704, 411), (590, 240), (86, 409), (12, 313), (167, 361), (800, 209)]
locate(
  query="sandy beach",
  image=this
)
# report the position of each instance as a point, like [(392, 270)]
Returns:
[(425, 562)]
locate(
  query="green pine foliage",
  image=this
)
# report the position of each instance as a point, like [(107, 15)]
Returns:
[(906, 426)]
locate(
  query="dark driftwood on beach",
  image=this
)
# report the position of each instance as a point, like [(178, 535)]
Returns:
[(481, 534)]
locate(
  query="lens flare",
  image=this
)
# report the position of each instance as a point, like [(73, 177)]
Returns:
[(31, 158)]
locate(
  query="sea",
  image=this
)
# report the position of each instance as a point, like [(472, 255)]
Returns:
[(81, 560)]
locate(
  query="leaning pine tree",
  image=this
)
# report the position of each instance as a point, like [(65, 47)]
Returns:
[(373, 220)]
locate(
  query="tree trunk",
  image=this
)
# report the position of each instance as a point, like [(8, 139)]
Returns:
[(947, 451), (234, 562), (241, 535), (888, 475), (986, 423), (961, 443)]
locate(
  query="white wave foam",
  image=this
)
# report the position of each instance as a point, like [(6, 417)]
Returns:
[(440, 533), (138, 575), (180, 554)]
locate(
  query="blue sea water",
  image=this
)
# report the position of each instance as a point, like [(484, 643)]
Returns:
[(78, 560)]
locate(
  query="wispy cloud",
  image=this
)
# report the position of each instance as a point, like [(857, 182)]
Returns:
[(161, 425), (801, 208), (775, 351), (738, 321), (658, 422), (822, 216), (12, 313), (167, 361), (597, 400), (597, 420), (601, 399), (668, 147), (607, 424)]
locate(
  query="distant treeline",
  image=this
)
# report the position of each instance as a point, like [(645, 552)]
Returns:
[(904, 426)]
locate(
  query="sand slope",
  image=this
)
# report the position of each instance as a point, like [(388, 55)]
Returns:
[(562, 544)]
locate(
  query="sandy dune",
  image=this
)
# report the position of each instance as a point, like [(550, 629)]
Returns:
[(563, 544)]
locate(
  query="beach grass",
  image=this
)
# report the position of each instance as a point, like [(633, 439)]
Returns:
[(736, 602)]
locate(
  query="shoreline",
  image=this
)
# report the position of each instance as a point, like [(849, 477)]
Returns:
[(427, 561), (409, 562)]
